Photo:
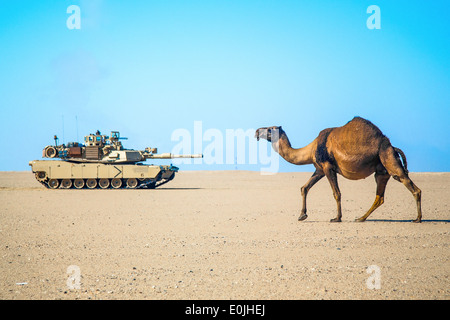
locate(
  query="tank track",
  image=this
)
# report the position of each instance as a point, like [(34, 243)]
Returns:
[(146, 184)]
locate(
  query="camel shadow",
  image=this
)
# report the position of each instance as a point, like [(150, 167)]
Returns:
[(423, 220), (381, 220)]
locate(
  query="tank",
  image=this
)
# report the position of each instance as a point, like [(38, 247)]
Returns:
[(102, 162)]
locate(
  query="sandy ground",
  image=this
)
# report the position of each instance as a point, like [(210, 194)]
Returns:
[(223, 235)]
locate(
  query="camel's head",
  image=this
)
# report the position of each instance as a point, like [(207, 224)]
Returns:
[(268, 133)]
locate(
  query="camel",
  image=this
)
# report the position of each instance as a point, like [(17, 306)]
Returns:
[(355, 151)]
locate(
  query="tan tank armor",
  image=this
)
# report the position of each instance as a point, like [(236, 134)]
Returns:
[(102, 162)]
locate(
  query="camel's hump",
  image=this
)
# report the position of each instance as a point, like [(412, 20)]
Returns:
[(361, 122), (358, 119)]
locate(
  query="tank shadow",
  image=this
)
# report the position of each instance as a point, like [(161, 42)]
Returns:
[(177, 188)]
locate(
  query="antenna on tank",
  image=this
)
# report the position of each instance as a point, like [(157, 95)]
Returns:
[(63, 127), (76, 124)]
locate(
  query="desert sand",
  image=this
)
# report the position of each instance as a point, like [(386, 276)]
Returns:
[(223, 235)]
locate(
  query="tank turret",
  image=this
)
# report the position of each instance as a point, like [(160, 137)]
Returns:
[(102, 162), (104, 149)]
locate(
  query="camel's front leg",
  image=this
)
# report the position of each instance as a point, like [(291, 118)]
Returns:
[(312, 181), (332, 178)]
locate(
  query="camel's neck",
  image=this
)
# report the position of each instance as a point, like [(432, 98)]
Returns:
[(296, 156)]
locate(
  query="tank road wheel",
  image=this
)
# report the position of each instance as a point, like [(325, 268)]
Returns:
[(104, 183), (53, 183), (116, 183), (78, 183), (41, 176), (132, 183), (91, 183), (66, 183)]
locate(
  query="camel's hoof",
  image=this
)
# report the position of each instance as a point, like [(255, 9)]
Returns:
[(335, 220), (302, 217), (360, 220), (417, 221)]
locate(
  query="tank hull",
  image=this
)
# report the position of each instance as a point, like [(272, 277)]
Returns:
[(58, 174)]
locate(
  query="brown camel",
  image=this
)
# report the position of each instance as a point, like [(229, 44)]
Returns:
[(355, 150)]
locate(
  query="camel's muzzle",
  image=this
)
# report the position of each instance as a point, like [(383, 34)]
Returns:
[(262, 133)]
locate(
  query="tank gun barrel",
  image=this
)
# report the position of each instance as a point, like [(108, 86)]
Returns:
[(172, 156)]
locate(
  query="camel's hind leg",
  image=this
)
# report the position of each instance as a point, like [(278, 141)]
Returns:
[(394, 167), (382, 179), (417, 193)]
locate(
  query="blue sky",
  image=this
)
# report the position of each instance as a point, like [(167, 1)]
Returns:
[(147, 68)]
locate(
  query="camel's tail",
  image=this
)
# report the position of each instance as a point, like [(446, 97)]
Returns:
[(405, 164)]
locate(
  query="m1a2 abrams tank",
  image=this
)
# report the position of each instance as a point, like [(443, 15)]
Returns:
[(102, 162)]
